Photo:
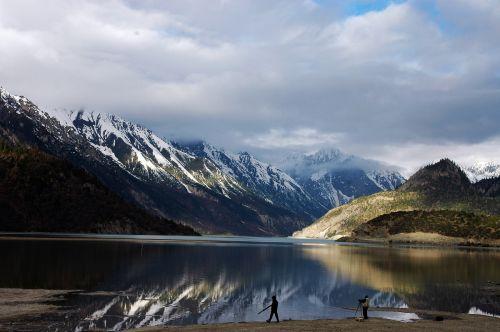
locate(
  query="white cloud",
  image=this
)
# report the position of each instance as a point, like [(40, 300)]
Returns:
[(390, 32), (297, 138), (412, 156), (230, 71)]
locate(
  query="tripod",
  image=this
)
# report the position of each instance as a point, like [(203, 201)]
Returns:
[(356, 313)]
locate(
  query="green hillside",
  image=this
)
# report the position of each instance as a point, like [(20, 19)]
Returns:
[(443, 222), (441, 186)]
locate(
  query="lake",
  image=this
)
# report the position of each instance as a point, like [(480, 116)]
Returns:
[(140, 281)]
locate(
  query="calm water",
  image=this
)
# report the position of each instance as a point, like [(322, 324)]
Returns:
[(137, 283)]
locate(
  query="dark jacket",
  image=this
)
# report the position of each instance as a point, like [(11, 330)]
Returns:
[(274, 306)]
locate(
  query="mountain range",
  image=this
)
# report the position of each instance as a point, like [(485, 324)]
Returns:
[(194, 183), (334, 178), (481, 170), (215, 191), (438, 200)]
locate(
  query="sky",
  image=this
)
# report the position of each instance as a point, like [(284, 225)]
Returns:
[(404, 82)]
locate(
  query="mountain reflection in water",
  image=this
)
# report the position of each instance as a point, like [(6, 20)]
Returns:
[(150, 283)]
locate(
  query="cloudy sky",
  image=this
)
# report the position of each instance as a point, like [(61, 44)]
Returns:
[(406, 82)]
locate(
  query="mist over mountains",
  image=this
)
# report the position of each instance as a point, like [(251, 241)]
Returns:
[(197, 184), (334, 178)]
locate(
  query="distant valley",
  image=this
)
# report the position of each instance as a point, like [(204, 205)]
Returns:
[(326, 194), (196, 184)]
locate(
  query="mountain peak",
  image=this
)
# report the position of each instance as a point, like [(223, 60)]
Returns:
[(444, 163), (245, 156), (4, 91), (327, 155), (444, 177), (4, 94)]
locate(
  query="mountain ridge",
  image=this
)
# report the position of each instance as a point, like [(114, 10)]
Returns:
[(481, 170), (168, 190), (444, 175), (210, 189), (334, 178), (216, 191), (439, 186), (270, 182)]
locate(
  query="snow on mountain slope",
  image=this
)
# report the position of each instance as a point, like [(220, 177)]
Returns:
[(180, 181), (334, 178), (175, 183), (271, 183), (134, 147), (146, 155), (385, 179), (482, 170), (245, 168), (143, 153)]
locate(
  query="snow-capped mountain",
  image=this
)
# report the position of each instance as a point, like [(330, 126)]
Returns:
[(334, 178), (195, 183), (274, 185), (142, 153), (145, 155), (213, 192), (482, 170)]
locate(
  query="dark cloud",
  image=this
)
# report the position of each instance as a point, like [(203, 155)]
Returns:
[(270, 76)]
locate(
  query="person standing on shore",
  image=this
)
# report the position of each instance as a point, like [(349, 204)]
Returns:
[(274, 310), (366, 304)]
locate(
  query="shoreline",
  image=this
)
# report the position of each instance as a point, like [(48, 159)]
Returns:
[(401, 242), (424, 239), (451, 322)]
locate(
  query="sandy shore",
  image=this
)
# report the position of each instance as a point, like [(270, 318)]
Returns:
[(31, 309), (452, 322), (16, 303)]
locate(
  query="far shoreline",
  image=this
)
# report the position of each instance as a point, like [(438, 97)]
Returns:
[(203, 239)]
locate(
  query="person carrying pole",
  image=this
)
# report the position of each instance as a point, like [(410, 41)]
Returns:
[(274, 310)]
